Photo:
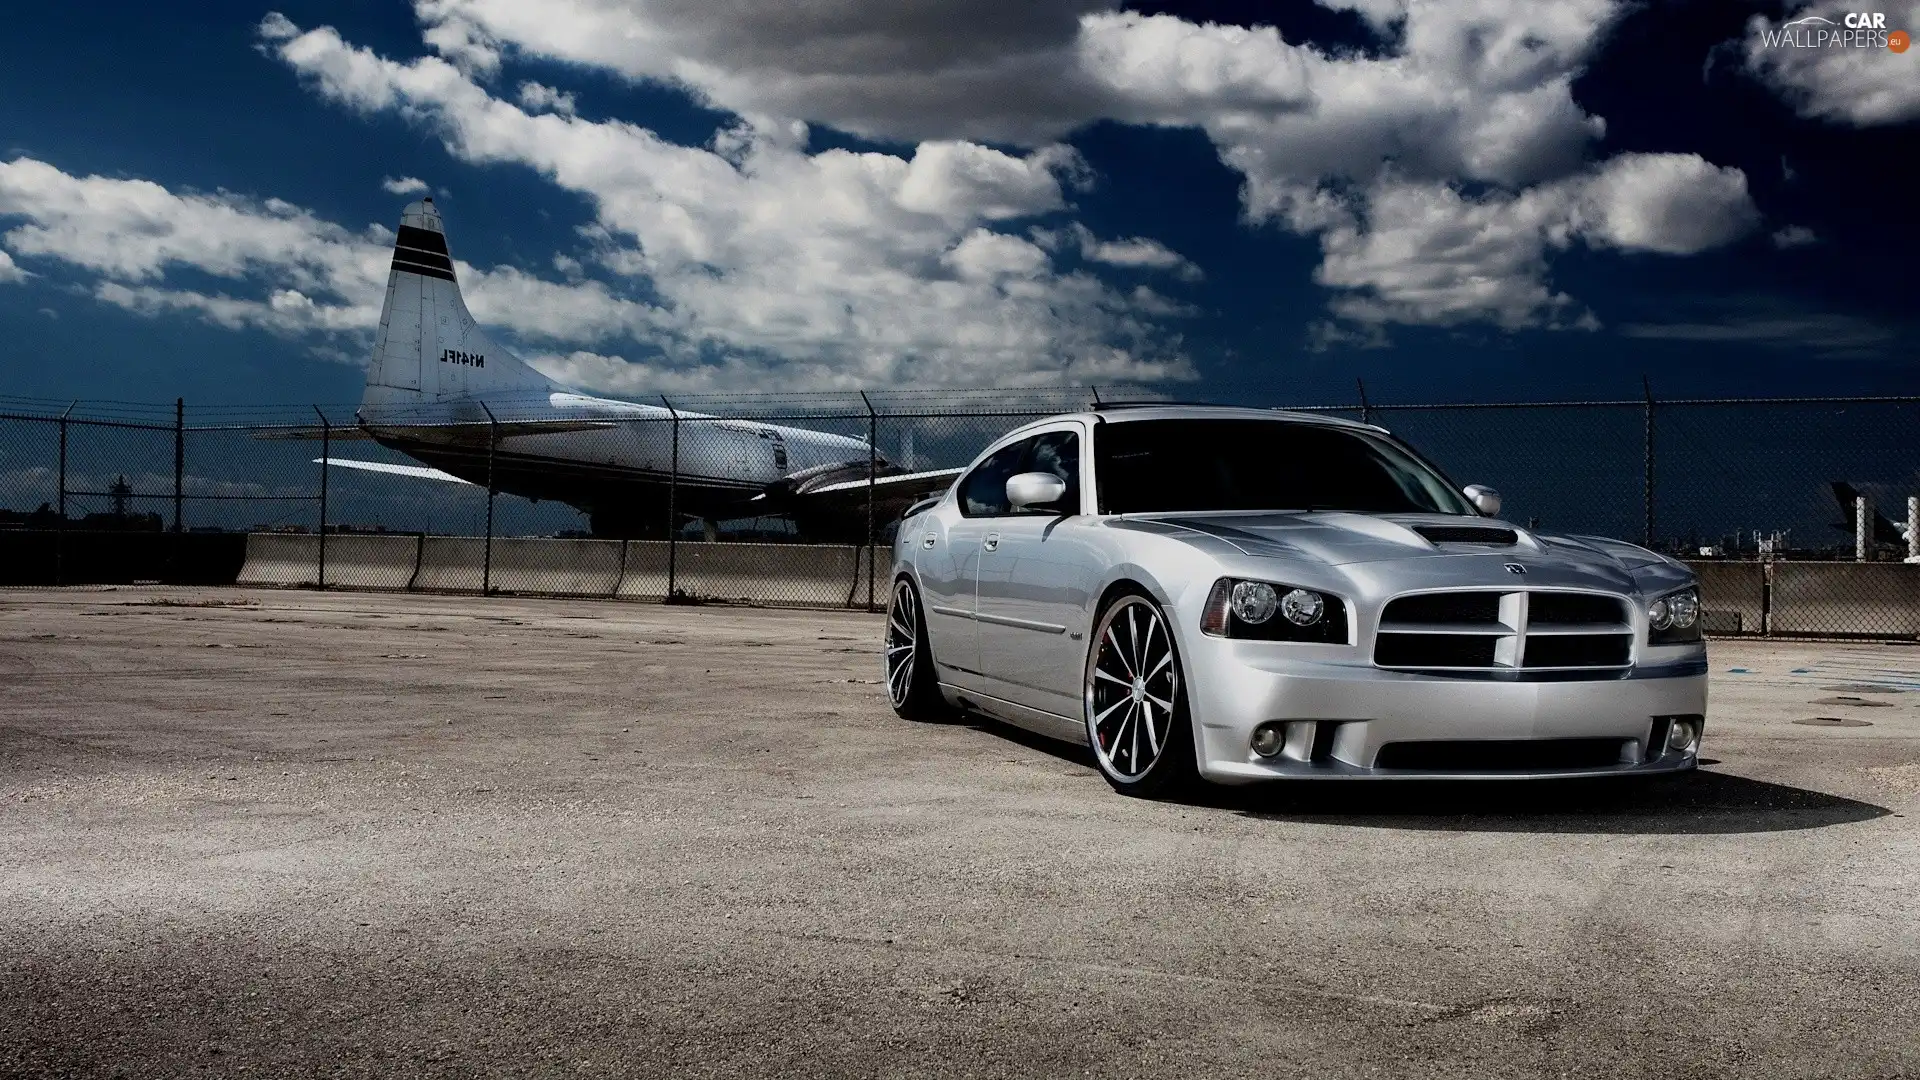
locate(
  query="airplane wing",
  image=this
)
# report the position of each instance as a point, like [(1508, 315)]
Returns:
[(840, 491), (475, 434), (310, 433), (418, 472), (913, 485)]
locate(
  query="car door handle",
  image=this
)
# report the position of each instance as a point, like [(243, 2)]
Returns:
[(992, 542), (927, 540)]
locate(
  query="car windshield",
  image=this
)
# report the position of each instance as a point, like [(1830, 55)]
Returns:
[(1148, 466)]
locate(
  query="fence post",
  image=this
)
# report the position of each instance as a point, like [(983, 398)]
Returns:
[(486, 558), (1647, 385), (1366, 411), (60, 535), (179, 457), (1862, 529), (673, 506), (873, 469), (326, 453), (1913, 528)]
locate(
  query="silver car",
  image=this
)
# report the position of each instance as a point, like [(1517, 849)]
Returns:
[(1241, 595)]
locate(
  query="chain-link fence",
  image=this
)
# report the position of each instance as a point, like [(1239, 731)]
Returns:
[(1797, 513)]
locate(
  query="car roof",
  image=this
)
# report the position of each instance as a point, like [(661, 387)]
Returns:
[(1123, 413)]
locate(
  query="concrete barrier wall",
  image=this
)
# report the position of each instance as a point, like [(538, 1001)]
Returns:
[(452, 563), (556, 567), (1843, 598), (814, 575), (644, 576), (1733, 596), (1879, 599), (370, 562), (281, 559)]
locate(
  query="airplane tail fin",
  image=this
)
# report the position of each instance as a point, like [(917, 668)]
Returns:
[(429, 347), (1884, 530)]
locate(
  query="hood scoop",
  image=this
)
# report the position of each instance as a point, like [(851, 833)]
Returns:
[(1467, 534)]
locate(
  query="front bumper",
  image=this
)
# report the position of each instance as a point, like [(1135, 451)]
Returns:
[(1234, 687)]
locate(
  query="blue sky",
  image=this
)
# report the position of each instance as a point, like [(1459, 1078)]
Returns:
[(1453, 201)]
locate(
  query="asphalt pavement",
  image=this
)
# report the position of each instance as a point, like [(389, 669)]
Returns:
[(296, 834)]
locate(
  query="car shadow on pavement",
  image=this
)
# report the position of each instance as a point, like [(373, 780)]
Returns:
[(1701, 801)]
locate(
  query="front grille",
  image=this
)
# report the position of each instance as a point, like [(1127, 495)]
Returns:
[(1467, 534), (1435, 650), (1537, 632), (1574, 609), (1500, 755), (1578, 650), (1444, 608)]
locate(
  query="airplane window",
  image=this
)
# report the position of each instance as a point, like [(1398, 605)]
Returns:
[(984, 492)]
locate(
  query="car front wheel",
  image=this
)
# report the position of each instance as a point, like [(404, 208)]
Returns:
[(1136, 701)]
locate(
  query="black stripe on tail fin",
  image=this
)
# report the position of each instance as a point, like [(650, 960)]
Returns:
[(423, 252)]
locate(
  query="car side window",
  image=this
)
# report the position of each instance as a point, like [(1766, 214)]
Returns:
[(1056, 452), (984, 492)]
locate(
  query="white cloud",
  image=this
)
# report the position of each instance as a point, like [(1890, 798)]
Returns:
[(1133, 253), (136, 231), (1857, 86), (537, 97), (1463, 114), (1672, 204), (1819, 333), (404, 185), (1793, 236), (1474, 90), (291, 272), (1426, 253), (10, 274), (875, 267), (905, 70), (1440, 174)]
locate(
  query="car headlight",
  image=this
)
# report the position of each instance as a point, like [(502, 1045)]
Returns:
[(1247, 610), (1674, 619)]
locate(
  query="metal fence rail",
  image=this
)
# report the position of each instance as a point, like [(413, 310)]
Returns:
[(1747, 489)]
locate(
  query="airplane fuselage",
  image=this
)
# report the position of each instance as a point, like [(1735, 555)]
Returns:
[(622, 463)]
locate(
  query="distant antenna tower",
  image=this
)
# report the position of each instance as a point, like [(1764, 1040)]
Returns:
[(120, 491)]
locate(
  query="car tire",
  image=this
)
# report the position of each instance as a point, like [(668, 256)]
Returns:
[(912, 687), (1135, 699)]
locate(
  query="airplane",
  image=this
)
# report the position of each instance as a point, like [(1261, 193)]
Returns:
[(443, 392)]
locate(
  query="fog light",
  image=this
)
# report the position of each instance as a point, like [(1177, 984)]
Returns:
[(1268, 739), (1682, 737)]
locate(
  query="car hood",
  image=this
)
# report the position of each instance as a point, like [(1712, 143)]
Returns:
[(1338, 538)]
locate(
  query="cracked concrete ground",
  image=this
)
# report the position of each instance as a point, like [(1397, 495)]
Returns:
[(296, 834)]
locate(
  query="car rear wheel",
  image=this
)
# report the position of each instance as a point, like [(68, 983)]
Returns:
[(912, 688), (1136, 701)]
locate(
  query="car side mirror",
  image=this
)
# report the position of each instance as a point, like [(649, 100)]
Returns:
[(1034, 489), (1484, 499)]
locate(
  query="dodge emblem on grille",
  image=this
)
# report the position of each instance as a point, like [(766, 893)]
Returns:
[(1515, 568)]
